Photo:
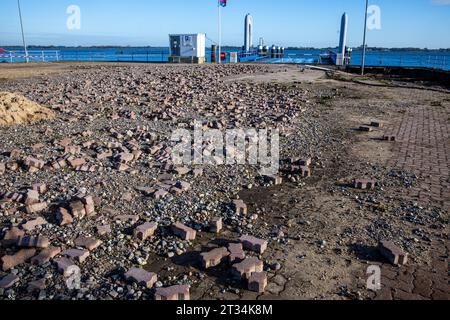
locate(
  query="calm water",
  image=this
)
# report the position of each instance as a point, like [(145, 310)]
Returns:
[(430, 59)]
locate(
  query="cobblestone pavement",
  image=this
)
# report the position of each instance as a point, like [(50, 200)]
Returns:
[(422, 148)]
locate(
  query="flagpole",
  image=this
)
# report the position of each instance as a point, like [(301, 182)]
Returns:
[(23, 34), (220, 31), (363, 62)]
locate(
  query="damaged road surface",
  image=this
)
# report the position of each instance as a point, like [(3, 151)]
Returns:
[(92, 205)]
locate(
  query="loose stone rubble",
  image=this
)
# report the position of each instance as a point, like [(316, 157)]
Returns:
[(94, 191)]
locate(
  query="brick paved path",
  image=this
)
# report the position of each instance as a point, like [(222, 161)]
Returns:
[(423, 148)]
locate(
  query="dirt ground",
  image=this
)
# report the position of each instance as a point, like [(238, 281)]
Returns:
[(322, 232)]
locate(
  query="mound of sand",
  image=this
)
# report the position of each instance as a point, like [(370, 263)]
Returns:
[(16, 109)]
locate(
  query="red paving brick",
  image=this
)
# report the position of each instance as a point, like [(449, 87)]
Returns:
[(422, 147)]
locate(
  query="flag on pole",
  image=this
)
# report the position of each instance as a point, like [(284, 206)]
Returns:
[(223, 3)]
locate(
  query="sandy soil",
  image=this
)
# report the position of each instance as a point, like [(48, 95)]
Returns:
[(16, 109)]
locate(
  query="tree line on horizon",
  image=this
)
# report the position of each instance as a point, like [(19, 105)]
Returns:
[(53, 47)]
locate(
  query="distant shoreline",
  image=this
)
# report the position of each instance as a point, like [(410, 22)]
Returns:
[(34, 47)]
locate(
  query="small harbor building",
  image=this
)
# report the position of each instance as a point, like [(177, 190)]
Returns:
[(187, 48)]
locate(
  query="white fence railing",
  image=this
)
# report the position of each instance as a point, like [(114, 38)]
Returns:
[(33, 56)]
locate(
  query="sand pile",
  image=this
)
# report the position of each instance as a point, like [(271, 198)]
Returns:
[(16, 109)]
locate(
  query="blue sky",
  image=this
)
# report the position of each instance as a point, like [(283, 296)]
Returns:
[(416, 23)]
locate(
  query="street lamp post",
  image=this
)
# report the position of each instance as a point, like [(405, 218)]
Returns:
[(23, 34), (363, 63), (220, 31)]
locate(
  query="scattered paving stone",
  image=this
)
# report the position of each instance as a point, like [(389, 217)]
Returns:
[(365, 184), (214, 257), (125, 157), (376, 124), (181, 171), (237, 253), (365, 129), (79, 255), (216, 225), (45, 255), (32, 197), (33, 242), (72, 149), (197, 172), (64, 142), (33, 224), (141, 148), (257, 282), (34, 163), (87, 242), (159, 194), (8, 281), (254, 244), (393, 253), (104, 155), (244, 269), (145, 231), (63, 217), (174, 293), (127, 197), (40, 187), (89, 205), (275, 180), (183, 231), (66, 267), (184, 186), (305, 171), (142, 277), (240, 207), (130, 219), (305, 162), (103, 230), (36, 207), (122, 167), (37, 285), (12, 235), (9, 262), (76, 162), (77, 209), (389, 138)]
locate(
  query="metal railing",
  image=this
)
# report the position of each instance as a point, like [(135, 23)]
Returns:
[(81, 55), (150, 56), (33, 56), (439, 60), (379, 59)]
